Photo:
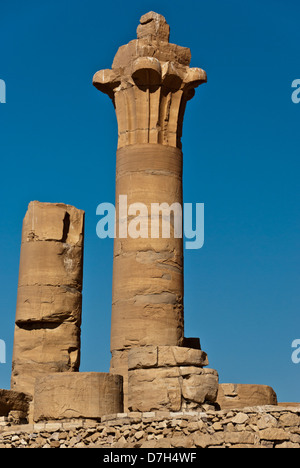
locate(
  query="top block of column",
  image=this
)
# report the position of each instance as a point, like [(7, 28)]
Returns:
[(150, 83), (52, 245)]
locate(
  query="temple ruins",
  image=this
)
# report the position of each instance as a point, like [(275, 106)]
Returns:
[(154, 367)]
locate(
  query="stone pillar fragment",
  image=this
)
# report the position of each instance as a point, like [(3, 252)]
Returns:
[(149, 83), (48, 315), (81, 395)]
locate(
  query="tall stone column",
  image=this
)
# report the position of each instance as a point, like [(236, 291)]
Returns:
[(48, 315), (149, 83)]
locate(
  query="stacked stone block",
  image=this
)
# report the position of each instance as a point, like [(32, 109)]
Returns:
[(170, 378)]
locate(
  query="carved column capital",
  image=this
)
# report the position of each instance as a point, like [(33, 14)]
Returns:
[(150, 83)]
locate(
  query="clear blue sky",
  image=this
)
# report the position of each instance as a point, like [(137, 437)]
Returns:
[(241, 159)]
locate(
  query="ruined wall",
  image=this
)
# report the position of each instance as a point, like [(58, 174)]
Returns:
[(252, 427)]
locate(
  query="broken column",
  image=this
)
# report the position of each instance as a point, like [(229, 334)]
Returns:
[(49, 301), (149, 83)]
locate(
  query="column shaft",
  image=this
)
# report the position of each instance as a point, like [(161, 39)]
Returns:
[(148, 272)]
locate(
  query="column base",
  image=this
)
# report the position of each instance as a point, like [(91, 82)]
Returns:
[(169, 378)]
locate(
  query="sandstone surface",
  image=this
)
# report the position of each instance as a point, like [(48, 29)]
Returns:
[(14, 401), (49, 301), (77, 395), (254, 427), (241, 395)]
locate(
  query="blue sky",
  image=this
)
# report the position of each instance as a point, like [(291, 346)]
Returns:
[(241, 159)]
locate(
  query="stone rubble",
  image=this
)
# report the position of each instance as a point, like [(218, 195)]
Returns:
[(252, 427), (232, 395)]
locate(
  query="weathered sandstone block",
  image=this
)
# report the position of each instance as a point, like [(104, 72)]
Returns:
[(165, 356), (48, 315), (173, 389), (289, 404), (242, 395), (169, 378), (77, 395), (255, 427)]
